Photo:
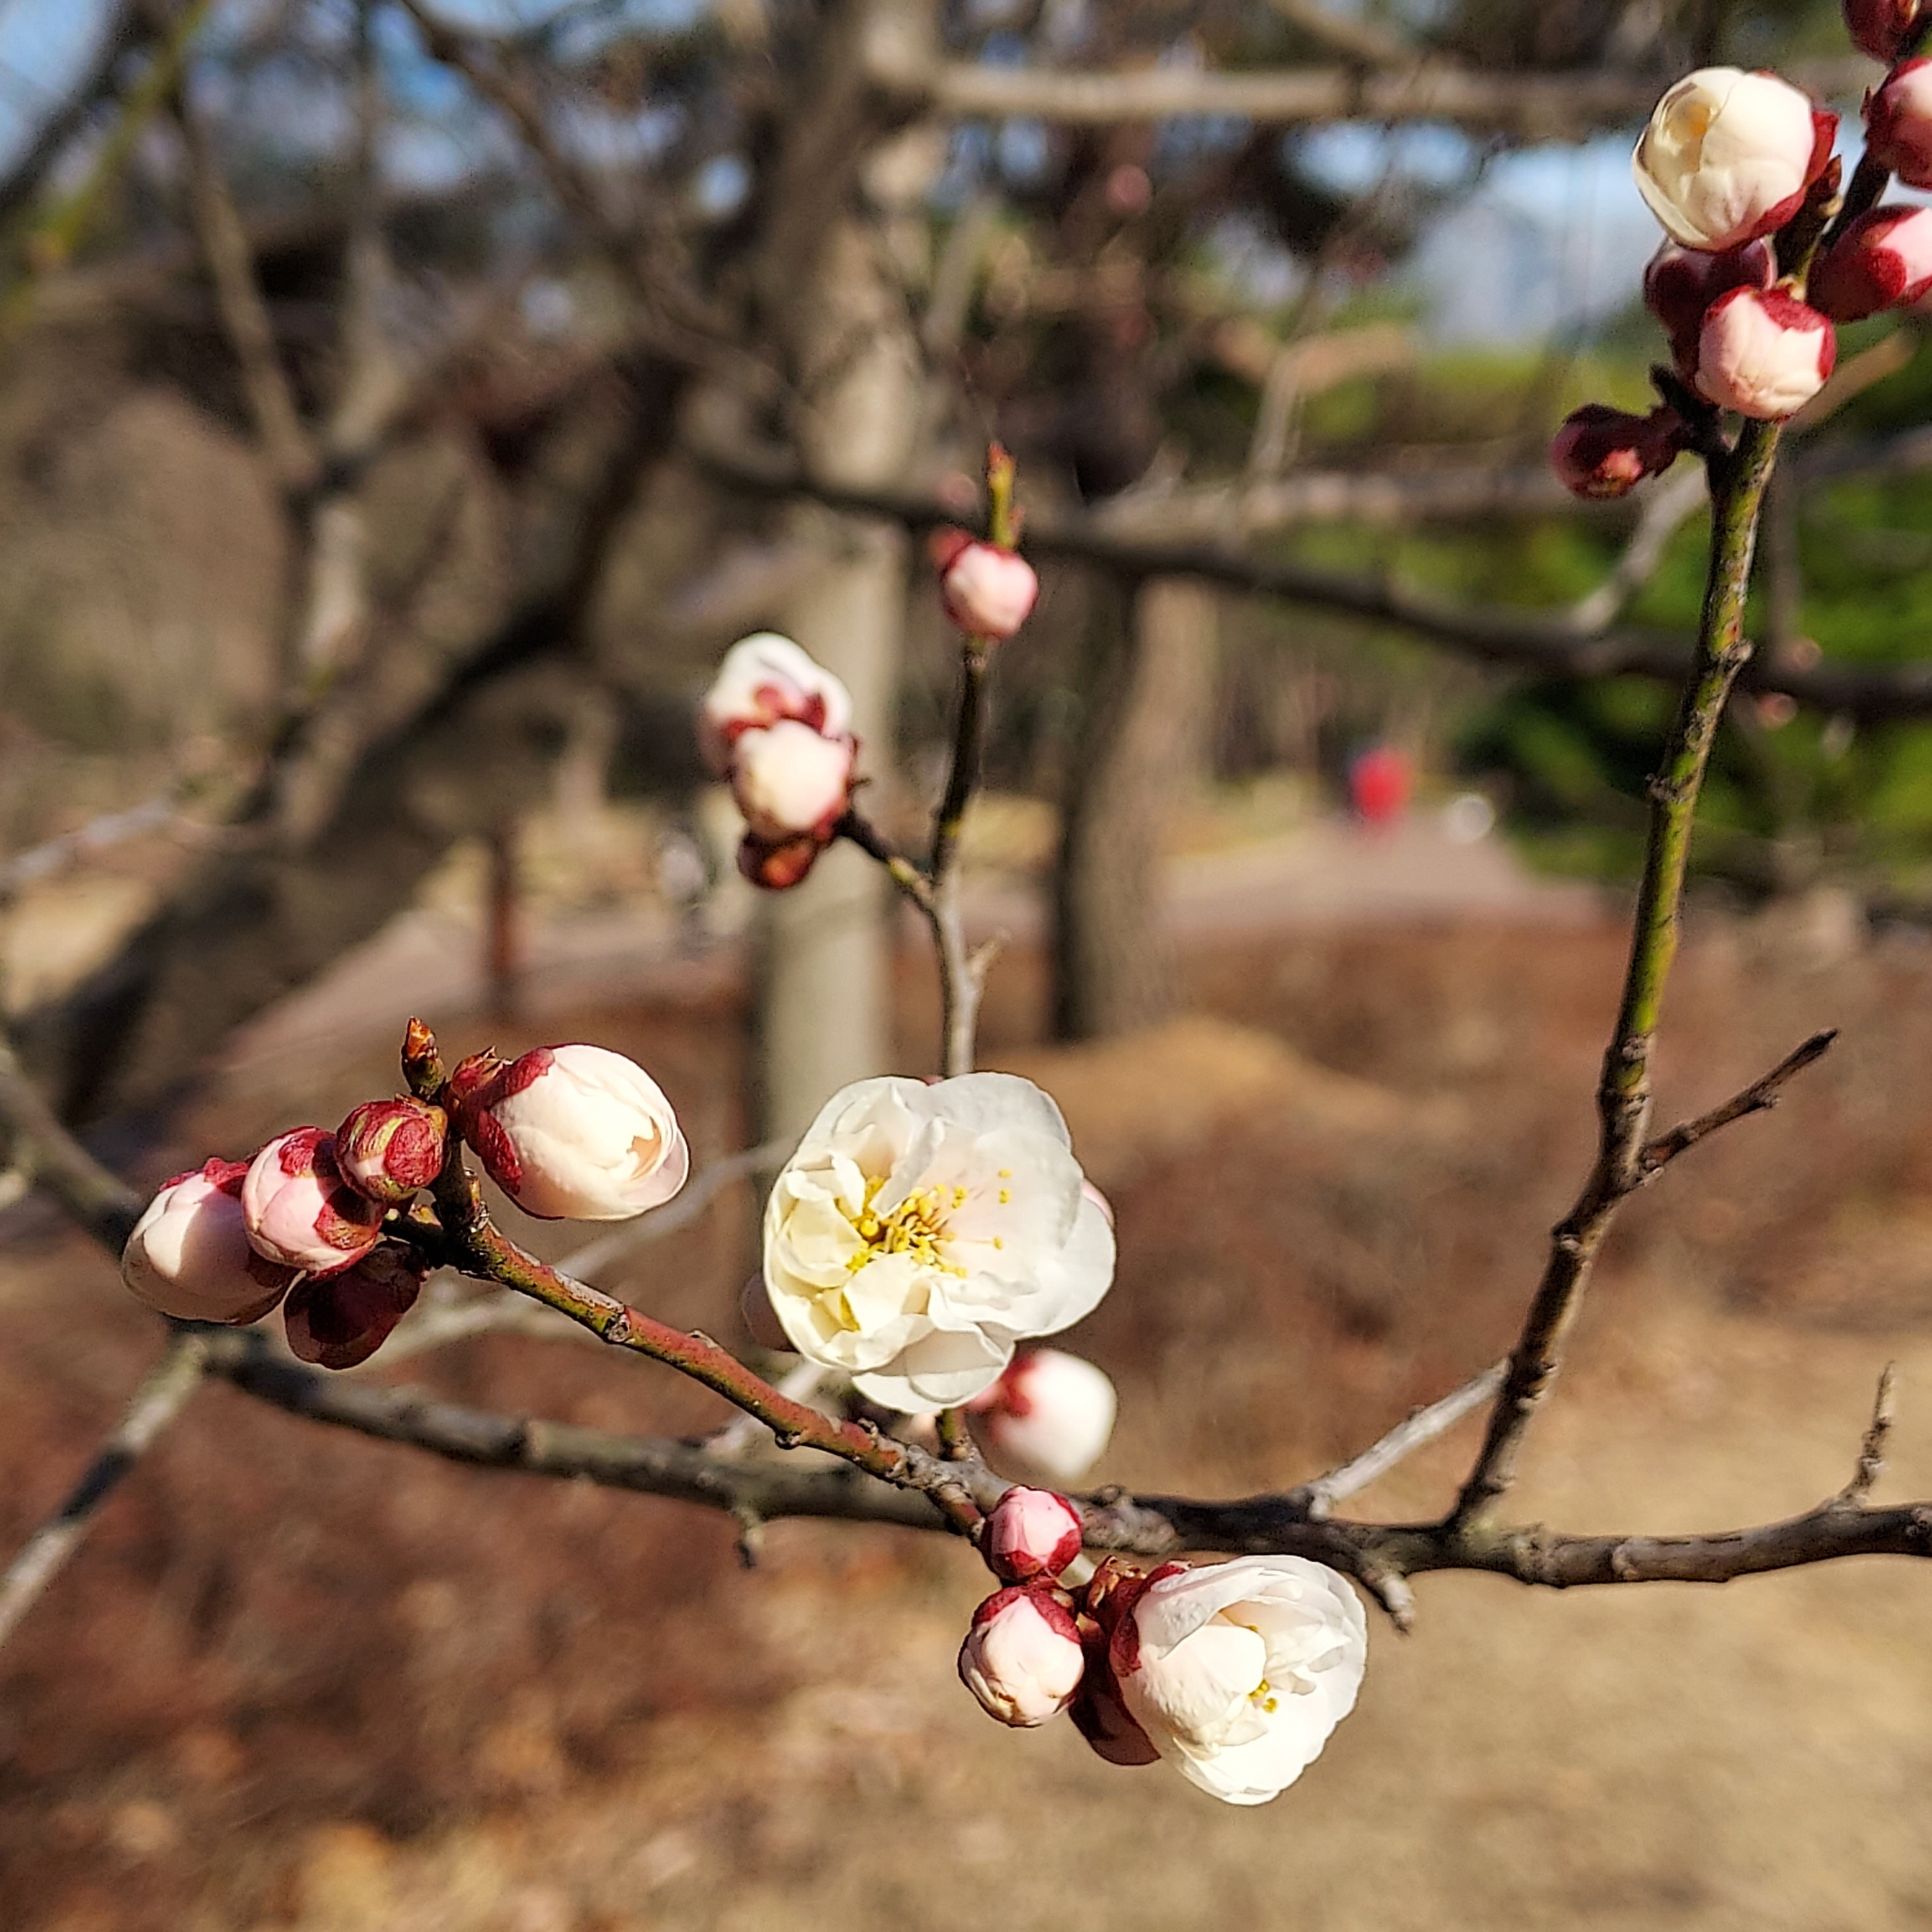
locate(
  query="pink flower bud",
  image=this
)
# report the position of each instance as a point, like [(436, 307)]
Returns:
[(1898, 123), (1050, 1411), (391, 1149), (299, 1211), (1022, 1657), (765, 678), (1883, 260), (189, 1254), (988, 591), (341, 1319), (789, 780), (1030, 1534), (776, 868), (573, 1133), (1602, 452), (1763, 353), (1729, 156), (1879, 27), (1681, 283)]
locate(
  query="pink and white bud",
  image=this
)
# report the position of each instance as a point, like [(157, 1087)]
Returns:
[(299, 1211), (1030, 1534), (1728, 156), (1883, 260), (764, 678), (988, 592), (390, 1151), (1602, 452), (1049, 1411), (789, 781), (1022, 1657), (338, 1320), (574, 1132), (1898, 123), (1237, 1672), (1880, 27), (1681, 283), (1763, 353), (189, 1254)]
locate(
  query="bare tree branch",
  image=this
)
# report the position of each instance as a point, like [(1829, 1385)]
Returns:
[(1871, 1451), (1755, 1098), (161, 1396)]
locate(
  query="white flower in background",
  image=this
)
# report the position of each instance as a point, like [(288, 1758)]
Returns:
[(1728, 156), (1022, 1657), (1238, 1672), (919, 1232), (1763, 353), (189, 1256), (765, 678), (574, 1132), (787, 780), (1051, 1411)]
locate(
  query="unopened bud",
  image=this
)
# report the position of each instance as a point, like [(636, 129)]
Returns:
[(1883, 260), (988, 591), (391, 1149), (338, 1320), (1022, 1657), (788, 780), (189, 1254), (765, 678), (1880, 27), (1681, 283), (1763, 353), (1030, 1534), (1603, 452), (1050, 1411), (1898, 124), (299, 1211), (775, 866)]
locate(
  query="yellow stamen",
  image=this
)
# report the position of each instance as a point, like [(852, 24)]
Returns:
[(916, 1227)]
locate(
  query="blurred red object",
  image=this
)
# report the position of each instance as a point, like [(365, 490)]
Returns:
[(1381, 781)]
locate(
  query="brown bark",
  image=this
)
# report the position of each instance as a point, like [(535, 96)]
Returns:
[(1144, 691)]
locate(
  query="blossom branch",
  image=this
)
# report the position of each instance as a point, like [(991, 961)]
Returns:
[(1760, 1095), (1737, 484), (163, 1393)]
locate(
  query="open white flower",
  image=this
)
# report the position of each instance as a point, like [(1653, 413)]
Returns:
[(919, 1232), (1238, 1672)]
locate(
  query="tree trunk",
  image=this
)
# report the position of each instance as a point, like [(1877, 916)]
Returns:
[(1147, 678)]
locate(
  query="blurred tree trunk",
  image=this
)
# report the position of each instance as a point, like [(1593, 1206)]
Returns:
[(825, 994), (1146, 685)]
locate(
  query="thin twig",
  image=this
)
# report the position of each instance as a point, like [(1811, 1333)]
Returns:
[(1404, 1439), (1759, 1095), (1871, 1451), (161, 1396)]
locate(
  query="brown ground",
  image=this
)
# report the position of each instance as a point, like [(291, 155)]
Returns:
[(304, 1682)]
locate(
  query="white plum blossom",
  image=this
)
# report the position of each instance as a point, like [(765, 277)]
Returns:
[(1728, 156), (576, 1133), (1022, 1657), (787, 779), (1238, 1672), (919, 1232), (1050, 1411), (189, 1254), (764, 678)]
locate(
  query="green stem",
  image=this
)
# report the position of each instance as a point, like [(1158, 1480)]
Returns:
[(1737, 485)]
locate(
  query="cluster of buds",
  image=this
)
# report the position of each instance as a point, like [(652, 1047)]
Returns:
[(1729, 161), (1235, 1673), (310, 1224), (778, 728)]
